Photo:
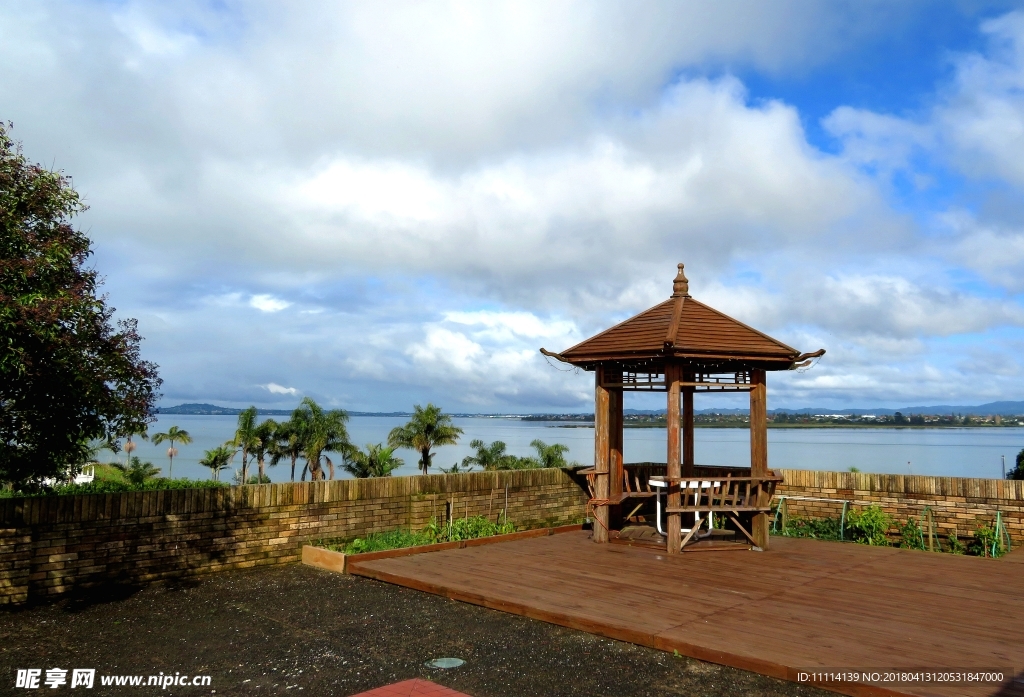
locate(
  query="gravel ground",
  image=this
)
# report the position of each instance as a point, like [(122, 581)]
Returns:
[(298, 630)]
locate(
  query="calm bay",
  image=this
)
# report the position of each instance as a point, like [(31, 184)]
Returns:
[(953, 452)]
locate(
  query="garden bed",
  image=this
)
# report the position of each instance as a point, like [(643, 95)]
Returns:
[(339, 561), (870, 525)]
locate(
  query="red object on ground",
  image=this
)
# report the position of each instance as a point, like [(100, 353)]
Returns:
[(412, 688)]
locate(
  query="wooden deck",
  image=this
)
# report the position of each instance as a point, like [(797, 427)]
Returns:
[(802, 605)]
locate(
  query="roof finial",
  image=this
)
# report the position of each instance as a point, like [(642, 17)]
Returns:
[(680, 286)]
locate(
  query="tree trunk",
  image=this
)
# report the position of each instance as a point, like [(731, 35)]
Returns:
[(305, 468), (259, 459), (245, 465), (425, 460), (293, 468), (330, 466)]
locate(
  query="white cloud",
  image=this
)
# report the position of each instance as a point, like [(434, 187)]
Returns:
[(274, 388), (392, 169), (268, 303)]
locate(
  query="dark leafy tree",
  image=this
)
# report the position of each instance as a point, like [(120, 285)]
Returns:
[(68, 375), (1018, 471)]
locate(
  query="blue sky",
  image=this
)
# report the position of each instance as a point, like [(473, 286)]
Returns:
[(379, 205)]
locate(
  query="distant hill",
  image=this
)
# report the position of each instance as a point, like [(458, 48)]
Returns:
[(989, 409), (214, 410), (193, 409)]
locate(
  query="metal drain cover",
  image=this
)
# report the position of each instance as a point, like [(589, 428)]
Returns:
[(445, 663)]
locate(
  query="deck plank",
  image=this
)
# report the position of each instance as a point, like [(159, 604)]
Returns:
[(803, 604)]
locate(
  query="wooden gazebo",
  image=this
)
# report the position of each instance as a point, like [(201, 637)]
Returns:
[(681, 346)]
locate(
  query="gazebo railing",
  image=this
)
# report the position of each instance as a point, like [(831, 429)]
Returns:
[(718, 489)]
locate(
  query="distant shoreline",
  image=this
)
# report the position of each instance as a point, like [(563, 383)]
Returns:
[(887, 426)]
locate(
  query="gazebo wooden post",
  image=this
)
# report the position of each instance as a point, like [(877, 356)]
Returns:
[(688, 460), (759, 448), (615, 447), (602, 423), (673, 374)]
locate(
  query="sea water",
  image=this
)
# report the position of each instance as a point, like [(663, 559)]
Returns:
[(952, 452)]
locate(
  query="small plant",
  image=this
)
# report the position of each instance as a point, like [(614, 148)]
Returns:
[(869, 526), (955, 545), (911, 535), (985, 542), (379, 541)]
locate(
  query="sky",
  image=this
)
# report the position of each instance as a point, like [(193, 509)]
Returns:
[(383, 204)]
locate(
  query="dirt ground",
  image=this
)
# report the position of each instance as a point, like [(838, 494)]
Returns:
[(298, 630)]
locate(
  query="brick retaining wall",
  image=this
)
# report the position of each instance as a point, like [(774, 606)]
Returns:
[(53, 545), (958, 504), (57, 544)]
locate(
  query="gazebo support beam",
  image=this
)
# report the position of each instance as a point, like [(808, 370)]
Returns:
[(602, 452), (759, 447), (688, 460), (615, 450), (673, 376)]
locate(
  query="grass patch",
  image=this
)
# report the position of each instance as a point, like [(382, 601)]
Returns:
[(433, 533)]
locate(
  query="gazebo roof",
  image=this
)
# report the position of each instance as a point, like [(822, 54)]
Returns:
[(682, 328)]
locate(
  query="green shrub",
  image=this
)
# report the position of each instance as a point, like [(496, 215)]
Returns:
[(814, 528), (868, 526), (112, 486), (955, 545), (911, 535)]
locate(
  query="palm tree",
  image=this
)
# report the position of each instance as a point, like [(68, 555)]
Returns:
[(129, 446), (428, 428), (377, 461), (550, 455), (321, 432), (136, 471), (264, 437), (245, 437), (287, 443), (173, 434), (217, 459), (488, 457)]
